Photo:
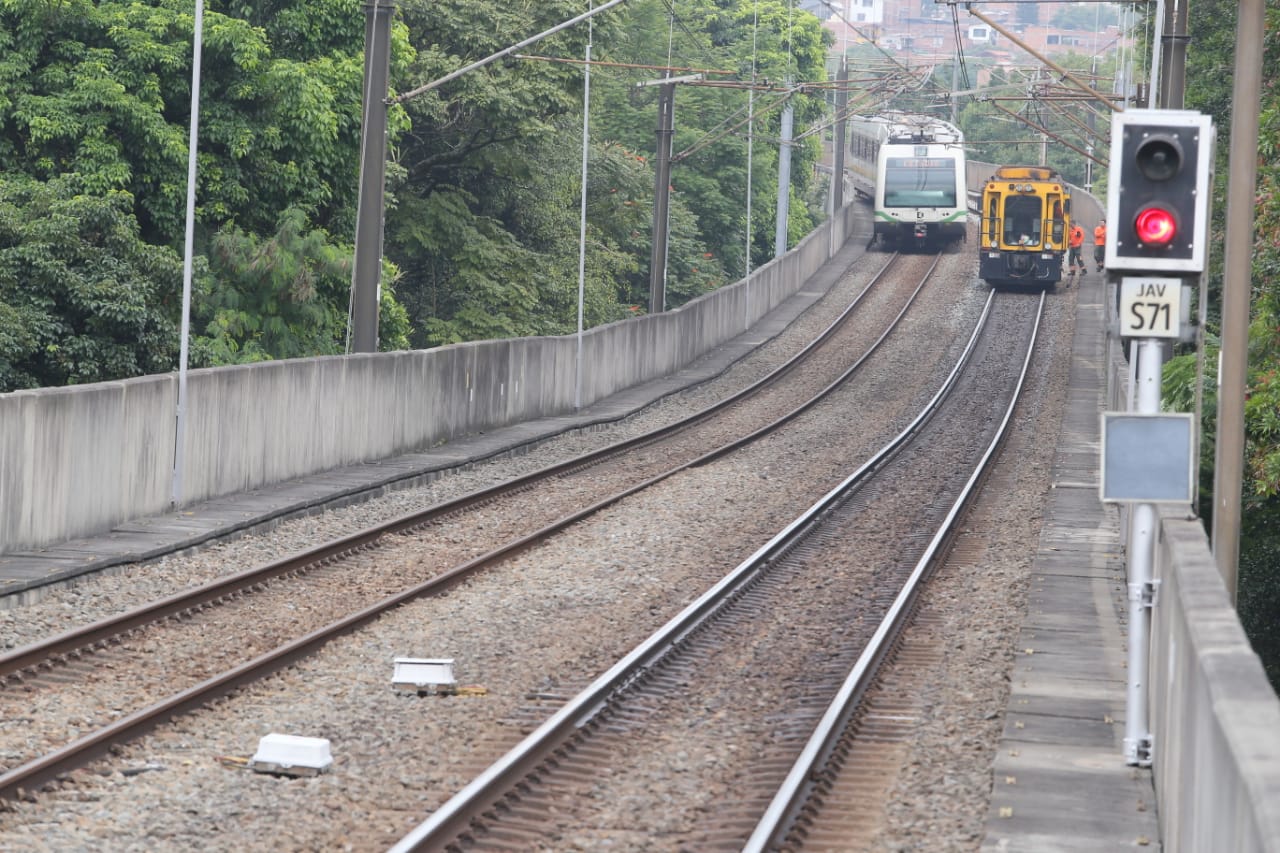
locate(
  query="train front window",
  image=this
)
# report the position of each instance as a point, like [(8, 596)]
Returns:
[(1022, 220), (919, 182)]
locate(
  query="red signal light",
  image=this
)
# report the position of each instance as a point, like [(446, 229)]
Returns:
[(1155, 226)]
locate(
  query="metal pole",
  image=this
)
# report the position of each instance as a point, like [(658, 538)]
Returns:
[(1160, 21), (955, 86), (837, 172), (180, 427), (1237, 268), (784, 182), (661, 199), (1175, 76), (751, 133), (751, 136), (582, 215), (1142, 543), (366, 273)]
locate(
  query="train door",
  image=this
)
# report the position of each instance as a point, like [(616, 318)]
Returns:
[(1058, 220), (991, 222)]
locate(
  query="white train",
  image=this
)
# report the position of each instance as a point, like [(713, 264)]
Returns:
[(912, 167)]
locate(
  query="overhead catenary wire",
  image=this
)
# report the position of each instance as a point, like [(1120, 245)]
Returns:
[(715, 136), (633, 66), (955, 25), (480, 63), (1042, 129)]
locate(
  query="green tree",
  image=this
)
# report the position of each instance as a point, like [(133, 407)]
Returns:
[(279, 297), (102, 89), (82, 297), (100, 92), (710, 144), (473, 196)]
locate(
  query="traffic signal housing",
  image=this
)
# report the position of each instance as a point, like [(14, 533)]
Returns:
[(1158, 198)]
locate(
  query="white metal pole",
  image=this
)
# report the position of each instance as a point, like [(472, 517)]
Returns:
[(179, 443), (751, 129), (751, 136), (1143, 521), (582, 216)]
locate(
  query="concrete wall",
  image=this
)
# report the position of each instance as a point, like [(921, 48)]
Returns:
[(1215, 720), (79, 460)]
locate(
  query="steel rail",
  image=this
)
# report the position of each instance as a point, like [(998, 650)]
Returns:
[(806, 774), (455, 816), (27, 776), (98, 633)]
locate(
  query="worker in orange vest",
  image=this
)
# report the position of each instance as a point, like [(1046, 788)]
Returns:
[(1075, 242), (1100, 243)]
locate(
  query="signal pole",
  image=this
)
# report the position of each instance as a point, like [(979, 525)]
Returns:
[(1157, 237)]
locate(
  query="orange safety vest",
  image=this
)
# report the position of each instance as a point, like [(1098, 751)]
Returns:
[(1077, 237), (1100, 235)]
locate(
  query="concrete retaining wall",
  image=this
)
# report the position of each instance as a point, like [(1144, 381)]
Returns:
[(1215, 720), (79, 460)]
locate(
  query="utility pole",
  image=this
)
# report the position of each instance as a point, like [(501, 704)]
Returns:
[(662, 187), (1242, 179), (784, 182), (1173, 76), (661, 200), (842, 103), (955, 86), (367, 267)]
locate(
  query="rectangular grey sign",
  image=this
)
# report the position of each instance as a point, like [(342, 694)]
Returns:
[(1147, 458)]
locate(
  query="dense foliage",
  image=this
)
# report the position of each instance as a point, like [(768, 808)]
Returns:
[(82, 298), (484, 189), (485, 218), (95, 104)]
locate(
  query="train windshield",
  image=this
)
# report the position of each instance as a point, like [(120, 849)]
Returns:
[(1022, 220), (919, 182)]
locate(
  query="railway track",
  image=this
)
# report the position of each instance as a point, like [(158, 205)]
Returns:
[(653, 703), (133, 645)]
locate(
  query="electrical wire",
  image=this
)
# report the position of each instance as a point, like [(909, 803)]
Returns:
[(964, 67), (892, 59), (427, 87)]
